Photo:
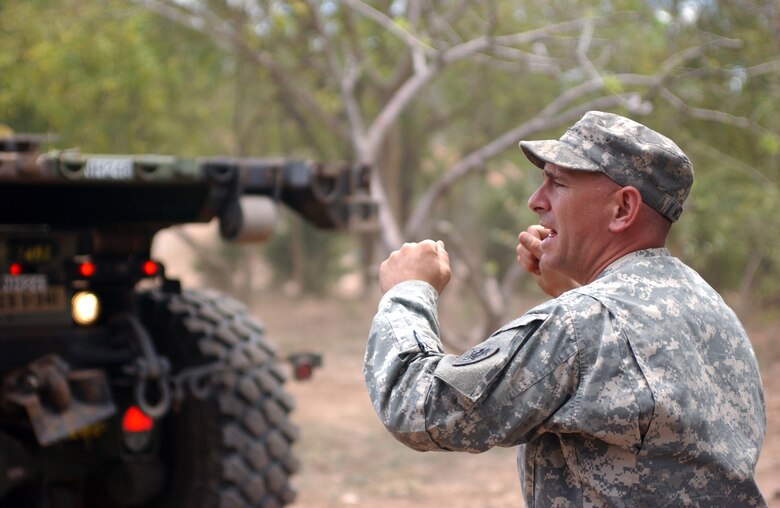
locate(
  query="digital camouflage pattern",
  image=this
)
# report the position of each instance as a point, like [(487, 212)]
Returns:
[(640, 389), (626, 151)]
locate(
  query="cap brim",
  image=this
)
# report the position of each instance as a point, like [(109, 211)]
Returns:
[(556, 152)]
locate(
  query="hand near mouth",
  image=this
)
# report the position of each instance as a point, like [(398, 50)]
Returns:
[(529, 251)]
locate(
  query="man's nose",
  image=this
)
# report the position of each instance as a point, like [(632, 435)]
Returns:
[(538, 203)]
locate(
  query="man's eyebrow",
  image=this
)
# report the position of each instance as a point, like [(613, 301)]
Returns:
[(553, 174)]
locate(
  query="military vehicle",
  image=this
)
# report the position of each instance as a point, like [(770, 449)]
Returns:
[(120, 388)]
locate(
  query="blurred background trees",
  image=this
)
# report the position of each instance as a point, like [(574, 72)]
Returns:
[(434, 94)]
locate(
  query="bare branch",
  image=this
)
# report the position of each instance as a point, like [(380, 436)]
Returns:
[(763, 68), (582, 50), (396, 104), (473, 274), (597, 80), (441, 25), (456, 11), (534, 61), (408, 91), (678, 59), (414, 12), (357, 125), (595, 85), (346, 78), (196, 17), (477, 158), (414, 44), (753, 172), (402, 68), (330, 53), (555, 114), (485, 287), (479, 44), (388, 227), (708, 114)]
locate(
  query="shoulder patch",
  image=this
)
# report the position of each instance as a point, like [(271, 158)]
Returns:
[(476, 354)]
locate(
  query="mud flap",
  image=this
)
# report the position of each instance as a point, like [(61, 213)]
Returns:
[(59, 401)]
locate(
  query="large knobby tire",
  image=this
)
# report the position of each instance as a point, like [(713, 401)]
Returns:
[(232, 449)]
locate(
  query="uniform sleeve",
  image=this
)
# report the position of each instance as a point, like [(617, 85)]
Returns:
[(496, 394)]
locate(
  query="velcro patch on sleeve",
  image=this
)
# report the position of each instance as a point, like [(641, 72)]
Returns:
[(476, 354), (472, 373)]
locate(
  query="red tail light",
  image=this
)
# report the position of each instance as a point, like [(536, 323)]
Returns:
[(87, 269), (303, 371), (135, 420), (15, 269), (150, 268), (303, 364)]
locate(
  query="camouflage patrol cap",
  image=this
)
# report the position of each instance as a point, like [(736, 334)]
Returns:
[(626, 151)]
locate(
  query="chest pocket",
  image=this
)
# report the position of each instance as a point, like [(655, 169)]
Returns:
[(473, 373)]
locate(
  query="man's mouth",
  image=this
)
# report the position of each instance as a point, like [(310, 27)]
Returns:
[(551, 235)]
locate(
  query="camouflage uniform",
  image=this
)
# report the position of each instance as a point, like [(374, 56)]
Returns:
[(639, 389)]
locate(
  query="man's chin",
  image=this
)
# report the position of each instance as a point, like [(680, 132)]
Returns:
[(546, 264), (549, 265)]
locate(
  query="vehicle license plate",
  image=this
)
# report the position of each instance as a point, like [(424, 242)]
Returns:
[(21, 294)]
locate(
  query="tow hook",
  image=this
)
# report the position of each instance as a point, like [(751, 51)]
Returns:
[(151, 371), (58, 400)]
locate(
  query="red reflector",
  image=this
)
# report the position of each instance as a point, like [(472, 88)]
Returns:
[(135, 420), (15, 269), (303, 371), (87, 269), (150, 268)]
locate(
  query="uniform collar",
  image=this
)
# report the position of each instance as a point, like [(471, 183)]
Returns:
[(633, 256)]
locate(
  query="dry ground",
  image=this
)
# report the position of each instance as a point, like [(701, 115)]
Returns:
[(349, 460)]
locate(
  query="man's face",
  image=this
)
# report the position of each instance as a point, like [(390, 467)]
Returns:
[(573, 205)]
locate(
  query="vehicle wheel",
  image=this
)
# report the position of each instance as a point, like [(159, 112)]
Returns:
[(232, 449)]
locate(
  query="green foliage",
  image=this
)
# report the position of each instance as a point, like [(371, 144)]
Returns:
[(769, 144), (730, 224), (107, 76), (111, 76)]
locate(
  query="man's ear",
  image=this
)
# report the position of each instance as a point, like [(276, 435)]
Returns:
[(626, 206)]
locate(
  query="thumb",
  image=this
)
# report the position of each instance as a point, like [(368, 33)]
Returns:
[(440, 250), (531, 243)]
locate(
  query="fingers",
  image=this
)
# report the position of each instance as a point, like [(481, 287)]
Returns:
[(530, 243), (532, 238), (529, 251), (427, 261), (443, 255), (529, 248)]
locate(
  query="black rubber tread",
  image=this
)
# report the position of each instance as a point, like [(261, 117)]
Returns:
[(248, 460)]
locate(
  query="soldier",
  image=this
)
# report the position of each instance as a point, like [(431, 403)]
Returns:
[(636, 385)]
